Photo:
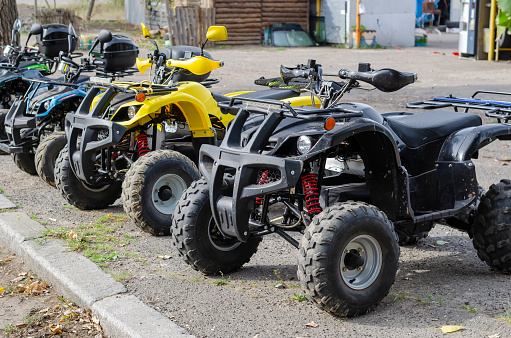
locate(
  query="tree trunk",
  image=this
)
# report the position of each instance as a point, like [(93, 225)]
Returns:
[(8, 13), (89, 12)]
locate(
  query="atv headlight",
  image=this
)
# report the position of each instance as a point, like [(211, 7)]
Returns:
[(304, 144), (46, 105), (132, 111)]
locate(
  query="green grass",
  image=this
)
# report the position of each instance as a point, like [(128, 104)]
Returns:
[(401, 296), (299, 297), (67, 207), (96, 241), (27, 322), (469, 308), (222, 281), (507, 314), (121, 277)]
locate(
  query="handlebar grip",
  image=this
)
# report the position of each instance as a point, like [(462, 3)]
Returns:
[(288, 74), (98, 62)]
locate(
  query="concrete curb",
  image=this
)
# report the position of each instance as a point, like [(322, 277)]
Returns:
[(83, 282)]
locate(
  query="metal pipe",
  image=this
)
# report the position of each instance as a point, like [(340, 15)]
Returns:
[(357, 26), (493, 14)]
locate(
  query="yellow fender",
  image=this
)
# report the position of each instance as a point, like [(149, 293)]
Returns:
[(197, 105)]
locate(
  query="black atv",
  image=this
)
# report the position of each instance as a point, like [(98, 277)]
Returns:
[(350, 180)]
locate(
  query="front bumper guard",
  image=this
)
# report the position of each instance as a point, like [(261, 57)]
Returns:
[(232, 213), (83, 144), (15, 122)]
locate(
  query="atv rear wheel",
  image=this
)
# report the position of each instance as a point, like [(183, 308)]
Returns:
[(78, 193), (46, 156), (198, 240), (492, 230), (3, 134), (348, 258), (25, 161), (152, 187)]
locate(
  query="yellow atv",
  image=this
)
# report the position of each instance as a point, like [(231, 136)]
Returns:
[(148, 135)]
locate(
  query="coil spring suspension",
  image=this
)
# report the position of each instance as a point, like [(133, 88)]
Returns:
[(142, 145), (263, 180), (311, 192)]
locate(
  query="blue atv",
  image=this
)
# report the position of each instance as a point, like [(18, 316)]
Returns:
[(35, 123), (24, 62)]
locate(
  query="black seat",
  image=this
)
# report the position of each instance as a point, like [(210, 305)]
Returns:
[(417, 129), (267, 94)]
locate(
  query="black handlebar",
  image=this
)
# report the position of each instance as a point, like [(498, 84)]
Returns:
[(386, 80)]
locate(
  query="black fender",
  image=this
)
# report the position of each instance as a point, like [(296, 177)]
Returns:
[(456, 184), (386, 178), (461, 145)]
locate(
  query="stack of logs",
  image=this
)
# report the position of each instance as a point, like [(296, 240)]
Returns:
[(246, 20)]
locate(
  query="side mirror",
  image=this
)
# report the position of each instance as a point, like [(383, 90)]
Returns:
[(37, 29), (72, 37), (104, 36), (216, 33), (145, 31), (16, 28)]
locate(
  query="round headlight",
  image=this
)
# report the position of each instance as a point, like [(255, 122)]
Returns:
[(132, 111), (46, 105), (304, 144)]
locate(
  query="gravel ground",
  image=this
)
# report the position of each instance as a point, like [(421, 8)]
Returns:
[(437, 284)]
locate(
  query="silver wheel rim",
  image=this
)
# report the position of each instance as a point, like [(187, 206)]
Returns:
[(218, 240), (166, 192), (361, 277)]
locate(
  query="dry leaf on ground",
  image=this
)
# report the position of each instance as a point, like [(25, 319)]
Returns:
[(312, 324), (451, 328)]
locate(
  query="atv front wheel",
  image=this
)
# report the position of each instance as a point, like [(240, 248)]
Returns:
[(3, 134), (25, 161), (348, 258), (79, 194), (46, 156), (152, 187), (198, 239), (492, 230)]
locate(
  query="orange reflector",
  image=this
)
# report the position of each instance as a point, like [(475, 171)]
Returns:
[(330, 123), (140, 97)]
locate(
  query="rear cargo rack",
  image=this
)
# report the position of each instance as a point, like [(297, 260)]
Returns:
[(498, 109)]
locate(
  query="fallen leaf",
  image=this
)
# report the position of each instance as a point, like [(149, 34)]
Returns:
[(17, 280), (55, 330), (312, 324), (7, 259), (73, 235), (20, 288), (442, 242), (2, 291), (451, 328), (110, 215)]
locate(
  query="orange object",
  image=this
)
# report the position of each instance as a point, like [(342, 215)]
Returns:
[(330, 123), (140, 97)]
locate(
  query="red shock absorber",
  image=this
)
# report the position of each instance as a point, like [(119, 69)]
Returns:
[(262, 180), (311, 192), (142, 144)]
